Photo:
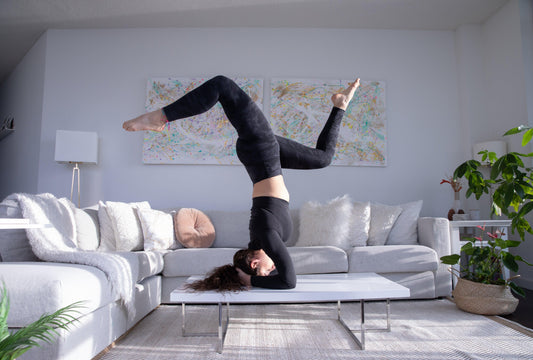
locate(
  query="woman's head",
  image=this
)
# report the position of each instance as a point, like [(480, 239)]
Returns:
[(253, 262), (226, 278)]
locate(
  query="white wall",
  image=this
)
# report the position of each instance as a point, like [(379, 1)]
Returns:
[(96, 79), (21, 96)]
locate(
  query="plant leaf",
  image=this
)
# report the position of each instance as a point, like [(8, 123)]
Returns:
[(517, 289), (450, 259), (509, 261), (516, 130), (526, 138)]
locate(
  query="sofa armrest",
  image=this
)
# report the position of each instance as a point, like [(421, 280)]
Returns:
[(434, 232)]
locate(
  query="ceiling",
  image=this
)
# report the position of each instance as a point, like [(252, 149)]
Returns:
[(22, 22)]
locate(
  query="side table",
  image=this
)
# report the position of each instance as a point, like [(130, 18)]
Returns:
[(455, 235), (11, 224)]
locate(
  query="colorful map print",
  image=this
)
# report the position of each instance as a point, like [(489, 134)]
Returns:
[(208, 138), (300, 108)]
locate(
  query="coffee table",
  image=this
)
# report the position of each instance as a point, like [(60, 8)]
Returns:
[(309, 289)]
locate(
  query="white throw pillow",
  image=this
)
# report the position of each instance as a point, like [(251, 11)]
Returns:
[(158, 229), (86, 230), (326, 224), (405, 230), (126, 224), (107, 234), (382, 219), (360, 223)]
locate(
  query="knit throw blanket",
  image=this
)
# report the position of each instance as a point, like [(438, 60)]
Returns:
[(58, 242)]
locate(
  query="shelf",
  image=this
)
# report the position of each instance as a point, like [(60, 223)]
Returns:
[(6, 132)]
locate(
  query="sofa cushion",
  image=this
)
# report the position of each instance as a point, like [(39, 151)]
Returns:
[(126, 224), (360, 223), (382, 218), (158, 229), (144, 263), (405, 229), (326, 224), (107, 234), (231, 228), (196, 261), (87, 228), (38, 288), (194, 229), (307, 260), (392, 259), (318, 259)]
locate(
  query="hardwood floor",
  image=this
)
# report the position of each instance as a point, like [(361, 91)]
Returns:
[(524, 312)]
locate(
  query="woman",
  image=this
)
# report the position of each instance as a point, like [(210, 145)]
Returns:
[(264, 155)]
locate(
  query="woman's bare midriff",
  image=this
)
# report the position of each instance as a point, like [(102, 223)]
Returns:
[(273, 187)]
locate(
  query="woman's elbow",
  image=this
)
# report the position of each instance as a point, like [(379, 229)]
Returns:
[(289, 284)]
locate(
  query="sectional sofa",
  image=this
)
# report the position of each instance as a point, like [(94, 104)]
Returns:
[(334, 237)]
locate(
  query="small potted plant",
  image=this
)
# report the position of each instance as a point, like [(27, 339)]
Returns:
[(481, 287), (511, 184)]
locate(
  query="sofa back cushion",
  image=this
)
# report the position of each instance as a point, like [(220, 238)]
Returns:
[(231, 228)]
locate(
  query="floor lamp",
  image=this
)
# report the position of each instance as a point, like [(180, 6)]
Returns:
[(76, 147)]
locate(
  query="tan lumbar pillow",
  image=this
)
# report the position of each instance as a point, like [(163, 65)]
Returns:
[(194, 229)]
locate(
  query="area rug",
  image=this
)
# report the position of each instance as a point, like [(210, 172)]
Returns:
[(424, 329)]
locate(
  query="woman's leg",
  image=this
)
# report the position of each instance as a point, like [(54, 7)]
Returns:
[(294, 155), (240, 109)]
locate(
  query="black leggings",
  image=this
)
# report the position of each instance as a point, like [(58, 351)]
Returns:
[(260, 151), (264, 155)]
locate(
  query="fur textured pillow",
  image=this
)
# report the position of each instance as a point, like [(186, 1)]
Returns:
[(126, 224), (326, 224), (194, 229), (360, 223), (382, 219)]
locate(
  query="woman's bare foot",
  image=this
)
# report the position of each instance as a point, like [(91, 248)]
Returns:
[(342, 99), (154, 121)]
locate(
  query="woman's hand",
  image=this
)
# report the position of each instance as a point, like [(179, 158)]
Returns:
[(245, 279)]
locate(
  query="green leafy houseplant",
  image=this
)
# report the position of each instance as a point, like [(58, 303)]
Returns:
[(487, 260), (14, 344), (510, 184)]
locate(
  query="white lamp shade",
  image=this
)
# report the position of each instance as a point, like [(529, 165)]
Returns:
[(499, 147), (76, 147)]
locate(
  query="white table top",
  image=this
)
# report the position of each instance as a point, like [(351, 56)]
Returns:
[(11, 224), (309, 288), (474, 223)]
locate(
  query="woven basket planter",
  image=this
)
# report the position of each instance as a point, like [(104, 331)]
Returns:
[(484, 299)]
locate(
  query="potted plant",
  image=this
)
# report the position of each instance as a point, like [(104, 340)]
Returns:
[(14, 344), (511, 185)]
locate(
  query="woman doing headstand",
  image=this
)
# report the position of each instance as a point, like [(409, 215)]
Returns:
[(266, 262)]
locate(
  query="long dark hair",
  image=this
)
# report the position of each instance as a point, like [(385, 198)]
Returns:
[(225, 278)]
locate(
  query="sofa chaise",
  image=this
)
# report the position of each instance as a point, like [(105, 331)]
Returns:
[(335, 237)]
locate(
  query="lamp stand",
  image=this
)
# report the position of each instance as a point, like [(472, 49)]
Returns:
[(75, 171)]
